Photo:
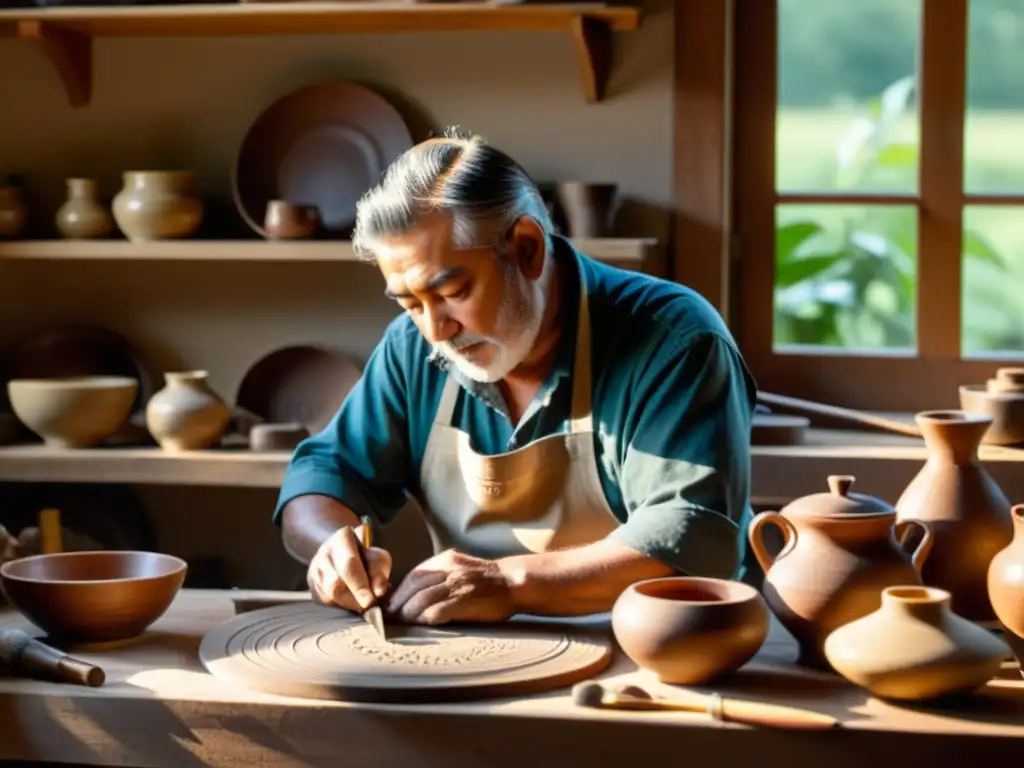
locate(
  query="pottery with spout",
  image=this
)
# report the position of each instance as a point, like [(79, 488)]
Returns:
[(840, 550), (968, 513), (1006, 586)]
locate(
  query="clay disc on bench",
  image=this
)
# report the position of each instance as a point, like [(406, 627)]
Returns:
[(311, 651)]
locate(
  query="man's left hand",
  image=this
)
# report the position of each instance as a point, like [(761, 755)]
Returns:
[(452, 586)]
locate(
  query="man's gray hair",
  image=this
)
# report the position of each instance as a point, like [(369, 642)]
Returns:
[(480, 187)]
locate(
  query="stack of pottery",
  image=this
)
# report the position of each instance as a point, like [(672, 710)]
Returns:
[(841, 550), (1001, 399), (187, 414)]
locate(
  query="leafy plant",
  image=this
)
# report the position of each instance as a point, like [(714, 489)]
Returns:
[(846, 277)]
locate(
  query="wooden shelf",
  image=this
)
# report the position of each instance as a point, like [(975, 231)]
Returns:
[(619, 250), (884, 465), (66, 34)]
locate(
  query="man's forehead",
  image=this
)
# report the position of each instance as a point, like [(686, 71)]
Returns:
[(422, 259)]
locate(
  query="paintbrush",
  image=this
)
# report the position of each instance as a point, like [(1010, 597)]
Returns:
[(593, 694), (373, 615)]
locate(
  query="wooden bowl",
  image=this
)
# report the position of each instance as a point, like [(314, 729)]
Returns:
[(1006, 409), (73, 412), (93, 597), (689, 630)]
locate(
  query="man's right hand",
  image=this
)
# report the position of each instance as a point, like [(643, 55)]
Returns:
[(336, 575)]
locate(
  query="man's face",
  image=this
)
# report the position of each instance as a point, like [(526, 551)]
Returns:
[(481, 312)]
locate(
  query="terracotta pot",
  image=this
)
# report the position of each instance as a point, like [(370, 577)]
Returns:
[(83, 216), (589, 208), (187, 415), (841, 550), (1006, 586), (13, 212), (967, 511), (690, 630), (915, 648), (155, 205)]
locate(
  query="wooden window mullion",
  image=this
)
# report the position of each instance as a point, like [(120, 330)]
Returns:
[(941, 100)]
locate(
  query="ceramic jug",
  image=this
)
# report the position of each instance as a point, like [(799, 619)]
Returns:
[(968, 513), (1006, 586), (82, 215), (13, 212), (840, 550), (187, 414), (154, 205), (914, 648)]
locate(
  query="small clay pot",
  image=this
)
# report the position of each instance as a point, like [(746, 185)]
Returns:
[(689, 630), (588, 208), (82, 215), (291, 221), (13, 212), (187, 415), (914, 648), (156, 205)]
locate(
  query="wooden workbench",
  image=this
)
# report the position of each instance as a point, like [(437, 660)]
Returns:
[(159, 708)]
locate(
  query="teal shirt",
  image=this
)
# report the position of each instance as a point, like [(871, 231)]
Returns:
[(672, 406)]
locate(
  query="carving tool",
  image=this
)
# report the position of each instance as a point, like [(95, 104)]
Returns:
[(27, 656), (372, 614), (593, 694), (49, 531)]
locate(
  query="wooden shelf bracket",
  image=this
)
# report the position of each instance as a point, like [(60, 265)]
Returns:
[(593, 39), (71, 53)]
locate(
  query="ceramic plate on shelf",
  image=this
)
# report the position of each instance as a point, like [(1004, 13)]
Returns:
[(302, 384), (325, 145)]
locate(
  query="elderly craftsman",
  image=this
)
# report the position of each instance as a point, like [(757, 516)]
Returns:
[(567, 428)]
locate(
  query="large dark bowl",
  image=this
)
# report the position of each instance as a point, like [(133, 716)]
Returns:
[(93, 597)]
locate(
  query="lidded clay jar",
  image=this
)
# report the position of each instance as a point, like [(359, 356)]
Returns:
[(840, 550), (915, 648), (1006, 585)]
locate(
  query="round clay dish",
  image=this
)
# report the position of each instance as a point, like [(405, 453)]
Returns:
[(301, 384), (325, 145)]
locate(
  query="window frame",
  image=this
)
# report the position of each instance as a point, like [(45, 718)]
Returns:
[(877, 381)]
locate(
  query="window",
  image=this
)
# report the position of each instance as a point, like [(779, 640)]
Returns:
[(878, 171)]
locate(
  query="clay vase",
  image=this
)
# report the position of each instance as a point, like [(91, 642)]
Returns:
[(187, 415), (1006, 586), (156, 205), (914, 648), (13, 212), (841, 549), (83, 216), (588, 208), (968, 513), (689, 630)]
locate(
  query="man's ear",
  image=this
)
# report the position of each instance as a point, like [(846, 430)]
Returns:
[(527, 247)]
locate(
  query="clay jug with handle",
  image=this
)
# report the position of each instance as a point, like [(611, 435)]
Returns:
[(840, 550), (1006, 586), (968, 513)]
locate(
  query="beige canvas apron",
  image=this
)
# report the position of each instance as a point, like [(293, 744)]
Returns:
[(544, 496)]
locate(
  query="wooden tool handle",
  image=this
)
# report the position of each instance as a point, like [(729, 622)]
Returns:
[(367, 531), (49, 531), (771, 715), (833, 411), (27, 656)]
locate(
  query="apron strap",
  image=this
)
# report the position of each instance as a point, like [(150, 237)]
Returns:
[(446, 407), (582, 396)]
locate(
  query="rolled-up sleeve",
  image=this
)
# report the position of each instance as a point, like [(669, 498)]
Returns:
[(361, 457), (685, 474)]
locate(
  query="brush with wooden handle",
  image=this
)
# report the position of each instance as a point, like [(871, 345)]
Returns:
[(593, 694)]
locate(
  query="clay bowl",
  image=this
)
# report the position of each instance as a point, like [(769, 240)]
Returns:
[(93, 597), (73, 412), (689, 630), (1006, 409)]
